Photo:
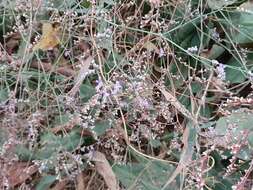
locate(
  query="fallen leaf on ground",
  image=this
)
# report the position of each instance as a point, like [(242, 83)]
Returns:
[(80, 182), (60, 185), (104, 169), (151, 47), (16, 173), (12, 42), (50, 37)]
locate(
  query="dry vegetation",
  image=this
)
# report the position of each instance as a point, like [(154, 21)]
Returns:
[(126, 94)]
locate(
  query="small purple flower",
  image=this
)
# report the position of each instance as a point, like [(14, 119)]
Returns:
[(221, 71), (99, 84), (143, 103), (215, 34), (117, 88), (161, 53), (193, 49), (250, 74)]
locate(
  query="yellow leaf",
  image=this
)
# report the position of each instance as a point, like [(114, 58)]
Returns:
[(151, 47), (50, 37)]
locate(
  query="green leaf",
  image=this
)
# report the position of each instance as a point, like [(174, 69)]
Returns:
[(241, 120), (148, 175), (234, 73), (86, 3), (184, 32), (46, 182), (86, 91), (3, 95), (112, 62), (3, 136), (239, 24), (52, 144), (219, 4), (205, 111), (61, 119), (215, 51), (154, 143), (24, 153), (101, 127), (196, 87)]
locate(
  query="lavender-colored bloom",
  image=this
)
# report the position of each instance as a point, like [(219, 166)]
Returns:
[(105, 94), (99, 85), (193, 49), (221, 71), (250, 74), (215, 62), (215, 34), (117, 88), (143, 103), (161, 52)]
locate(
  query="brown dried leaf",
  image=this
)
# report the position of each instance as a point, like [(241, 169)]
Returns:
[(80, 182), (50, 37), (60, 185), (12, 42), (156, 3), (151, 47), (16, 173), (104, 169)]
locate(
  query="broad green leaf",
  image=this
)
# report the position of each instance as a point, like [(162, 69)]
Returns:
[(154, 143), (219, 4), (61, 119), (86, 3), (3, 95), (178, 69), (234, 73), (239, 25), (86, 91), (24, 153), (148, 175), (52, 144), (215, 52), (242, 119), (101, 127), (205, 111), (3, 136), (196, 87), (238, 121), (46, 182)]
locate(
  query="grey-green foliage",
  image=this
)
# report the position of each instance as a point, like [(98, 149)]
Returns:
[(146, 174), (45, 182), (51, 145), (219, 4), (236, 124)]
